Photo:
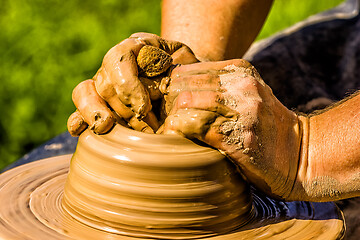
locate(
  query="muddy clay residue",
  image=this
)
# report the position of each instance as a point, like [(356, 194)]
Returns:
[(149, 186)]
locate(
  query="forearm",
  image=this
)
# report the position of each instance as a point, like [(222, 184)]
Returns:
[(330, 156), (214, 30)]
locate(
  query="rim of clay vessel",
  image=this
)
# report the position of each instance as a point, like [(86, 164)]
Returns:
[(119, 135)]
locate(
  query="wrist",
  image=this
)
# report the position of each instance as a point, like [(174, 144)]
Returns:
[(330, 169), (298, 192), (288, 149)]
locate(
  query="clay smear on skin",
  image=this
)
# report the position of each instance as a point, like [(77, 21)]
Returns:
[(233, 130), (326, 187)]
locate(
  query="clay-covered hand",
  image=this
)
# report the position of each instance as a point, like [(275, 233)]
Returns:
[(118, 92), (228, 106)]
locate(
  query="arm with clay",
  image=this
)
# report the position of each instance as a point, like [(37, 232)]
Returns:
[(228, 106)]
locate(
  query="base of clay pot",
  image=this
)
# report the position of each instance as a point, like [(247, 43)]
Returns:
[(30, 208)]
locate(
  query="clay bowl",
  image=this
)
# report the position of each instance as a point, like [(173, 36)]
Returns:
[(160, 186), (133, 185)]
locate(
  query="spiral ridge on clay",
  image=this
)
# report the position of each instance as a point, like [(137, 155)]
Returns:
[(159, 186)]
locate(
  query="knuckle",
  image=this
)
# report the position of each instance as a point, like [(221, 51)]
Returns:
[(106, 92), (249, 85), (241, 63), (253, 85), (142, 34), (111, 51), (81, 87), (175, 72), (183, 100), (257, 105), (136, 35)]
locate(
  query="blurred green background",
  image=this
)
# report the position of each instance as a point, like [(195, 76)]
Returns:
[(48, 46)]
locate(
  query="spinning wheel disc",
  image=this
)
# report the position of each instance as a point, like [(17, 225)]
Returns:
[(30, 208)]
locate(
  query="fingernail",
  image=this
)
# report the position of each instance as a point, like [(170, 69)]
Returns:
[(147, 130), (102, 124)]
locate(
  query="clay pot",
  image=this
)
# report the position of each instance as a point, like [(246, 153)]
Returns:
[(147, 185), (128, 185)]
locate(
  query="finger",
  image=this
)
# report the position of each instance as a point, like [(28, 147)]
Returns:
[(183, 55), (219, 132), (191, 123), (76, 124), (168, 46), (146, 38), (105, 89), (229, 136), (152, 121), (140, 125), (92, 107), (180, 53), (123, 57), (153, 87), (208, 67), (148, 122), (106, 92), (204, 100), (205, 82), (121, 68)]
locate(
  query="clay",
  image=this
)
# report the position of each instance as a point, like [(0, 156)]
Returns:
[(233, 133), (326, 187), (156, 186), (133, 185), (193, 123), (153, 61)]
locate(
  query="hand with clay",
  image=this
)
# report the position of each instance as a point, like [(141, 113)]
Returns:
[(228, 106), (118, 92), (228, 33)]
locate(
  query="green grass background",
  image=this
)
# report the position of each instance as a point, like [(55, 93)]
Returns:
[(48, 46)]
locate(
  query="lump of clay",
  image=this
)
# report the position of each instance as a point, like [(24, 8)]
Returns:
[(153, 61)]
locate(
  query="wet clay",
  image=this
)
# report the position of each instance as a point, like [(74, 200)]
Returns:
[(131, 185), (154, 186)]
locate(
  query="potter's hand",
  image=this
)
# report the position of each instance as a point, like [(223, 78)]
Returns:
[(228, 106), (117, 86)]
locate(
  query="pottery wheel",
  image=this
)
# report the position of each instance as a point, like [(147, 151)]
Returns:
[(31, 195)]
